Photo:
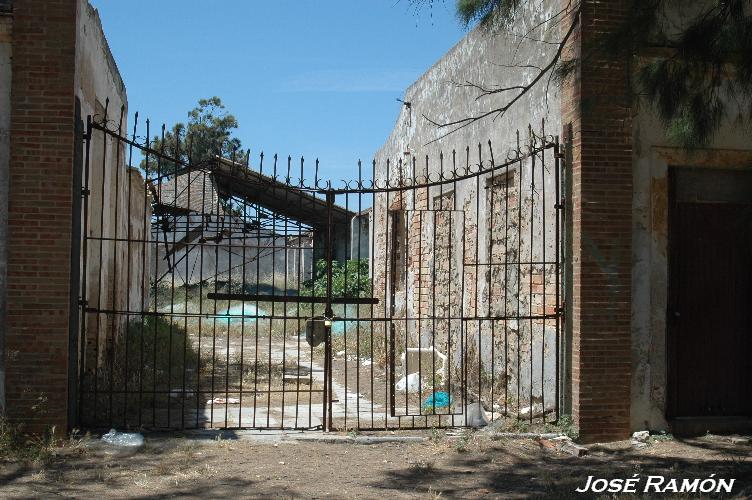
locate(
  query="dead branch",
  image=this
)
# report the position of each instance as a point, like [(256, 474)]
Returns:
[(524, 89)]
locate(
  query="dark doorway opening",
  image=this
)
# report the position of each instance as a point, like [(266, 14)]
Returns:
[(710, 294)]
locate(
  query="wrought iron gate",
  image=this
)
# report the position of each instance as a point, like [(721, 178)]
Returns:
[(240, 293)]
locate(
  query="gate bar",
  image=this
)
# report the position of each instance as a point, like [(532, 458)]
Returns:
[(291, 298)]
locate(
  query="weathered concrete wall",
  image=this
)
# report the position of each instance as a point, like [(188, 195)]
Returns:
[(653, 155), (6, 51), (439, 281)]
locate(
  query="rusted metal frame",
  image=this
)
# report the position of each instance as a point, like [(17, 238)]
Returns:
[(530, 276), (460, 273), (101, 260), (210, 315), (506, 291), (143, 147), (83, 299), (543, 279), (329, 314), (256, 323), (214, 318), (419, 233), (433, 297), (519, 271), (128, 276), (186, 281), (559, 213), (129, 240), (470, 175), (301, 299), (464, 334), (387, 329), (241, 369), (204, 226), (300, 252), (271, 322), (228, 214), (489, 282), (392, 286), (284, 321), (358, 324), (173, 270), (479, 331), (74, 283)]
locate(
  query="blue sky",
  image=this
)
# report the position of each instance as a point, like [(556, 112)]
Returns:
[(303, 77)]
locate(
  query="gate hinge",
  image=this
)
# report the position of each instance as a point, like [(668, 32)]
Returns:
[(561, 204), (559, 155), (83, 302), (85, 192)]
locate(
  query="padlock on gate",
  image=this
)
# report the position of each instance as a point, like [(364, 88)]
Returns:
[(316, 330)]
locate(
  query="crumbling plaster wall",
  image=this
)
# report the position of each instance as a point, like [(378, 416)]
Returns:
[(489, 59), (653, 155)]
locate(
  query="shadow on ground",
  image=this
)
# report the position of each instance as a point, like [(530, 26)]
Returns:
[(522, 471), (225, 464)]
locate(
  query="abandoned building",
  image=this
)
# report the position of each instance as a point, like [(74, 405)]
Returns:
[(563, 258)]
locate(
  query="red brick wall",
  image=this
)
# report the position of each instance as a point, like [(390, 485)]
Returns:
[(595, 104), (39, 219)]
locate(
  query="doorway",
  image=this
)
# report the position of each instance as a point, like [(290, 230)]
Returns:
[(709, 313)]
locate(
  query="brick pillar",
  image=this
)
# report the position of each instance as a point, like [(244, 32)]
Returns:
[(596, 116), (40, 217)]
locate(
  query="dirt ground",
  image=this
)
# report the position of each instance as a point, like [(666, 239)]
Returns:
[(445, 465)]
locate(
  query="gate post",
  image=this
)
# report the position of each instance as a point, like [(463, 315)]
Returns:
[(601, 171), (40, 213)]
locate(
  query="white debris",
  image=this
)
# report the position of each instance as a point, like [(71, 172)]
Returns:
[(123, 438), (536, 409), (475, 415), (223, 401), (641, 436), (411, 383), (340, 354), (367, 362)]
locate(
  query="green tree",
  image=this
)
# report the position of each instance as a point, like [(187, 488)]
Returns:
[(692, 63), (208, 133)]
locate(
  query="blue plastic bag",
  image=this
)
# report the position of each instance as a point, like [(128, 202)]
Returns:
[(437, 400)]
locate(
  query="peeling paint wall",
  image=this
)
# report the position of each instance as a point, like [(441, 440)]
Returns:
[(522, 354)]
